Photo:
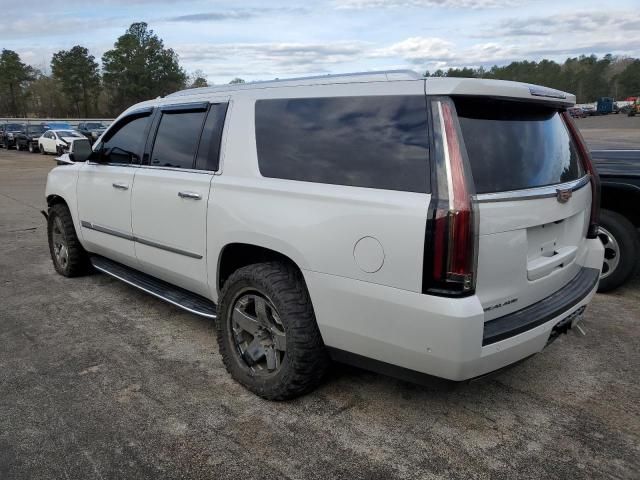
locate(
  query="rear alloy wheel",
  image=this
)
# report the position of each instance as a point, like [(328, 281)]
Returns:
[(258, 333), (267, 331), (32, 148), (621, 249)]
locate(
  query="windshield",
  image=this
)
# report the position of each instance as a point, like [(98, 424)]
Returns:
[(35, 129), (91, 126), (515, 145), (13, 127), (68, 133)]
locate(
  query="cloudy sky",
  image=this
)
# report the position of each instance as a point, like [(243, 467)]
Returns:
[(263, 40)]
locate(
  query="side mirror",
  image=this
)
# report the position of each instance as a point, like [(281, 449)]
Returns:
[(97, 155)]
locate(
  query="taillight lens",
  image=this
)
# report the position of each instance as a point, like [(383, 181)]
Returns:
[(451, 245), (587, 162)]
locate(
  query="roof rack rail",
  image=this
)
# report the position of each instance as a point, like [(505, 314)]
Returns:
[(374, 76)]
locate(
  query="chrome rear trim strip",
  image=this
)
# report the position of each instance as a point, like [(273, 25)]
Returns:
[(532, 193)]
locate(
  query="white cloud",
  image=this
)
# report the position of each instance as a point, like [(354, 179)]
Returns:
[(363, 4), (269, 60), (418, 50), (575, 23)]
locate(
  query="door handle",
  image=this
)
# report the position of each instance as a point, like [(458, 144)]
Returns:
[(120, 186), (191, 195)]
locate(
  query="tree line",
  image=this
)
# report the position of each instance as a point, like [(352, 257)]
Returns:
[(140, 67), (588, 77), (137, 68)]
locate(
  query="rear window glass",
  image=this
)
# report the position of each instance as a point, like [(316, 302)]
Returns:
[(376, 141), (513, 146)]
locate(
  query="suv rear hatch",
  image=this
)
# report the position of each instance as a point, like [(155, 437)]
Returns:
[(533, 200)]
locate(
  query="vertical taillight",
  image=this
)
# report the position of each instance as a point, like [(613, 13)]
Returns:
[(585, 156), (452, 234)]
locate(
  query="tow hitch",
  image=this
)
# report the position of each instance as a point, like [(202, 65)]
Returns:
[(564, 325)]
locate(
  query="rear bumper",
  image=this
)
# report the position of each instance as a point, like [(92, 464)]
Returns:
[(439, 336), (543, 311)]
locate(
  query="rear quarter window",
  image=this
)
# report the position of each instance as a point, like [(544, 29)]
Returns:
[(369, 141), (514, 145)]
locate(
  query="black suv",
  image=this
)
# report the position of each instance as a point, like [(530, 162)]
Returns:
[(8, 133), (619, 216), (91, 130), (28, 137)]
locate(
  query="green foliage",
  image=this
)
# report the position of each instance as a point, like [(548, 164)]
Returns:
[(45, 98), (629, 79), (586, 76), (139, 68), (197, 79), (14, 79), (77, 72)]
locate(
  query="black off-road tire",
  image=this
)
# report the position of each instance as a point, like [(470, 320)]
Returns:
[(78, 260), (628, 249), (32, 148), (306, 359), (18, 147)]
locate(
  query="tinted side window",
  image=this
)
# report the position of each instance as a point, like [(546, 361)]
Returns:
[(209, 149), (376, 142), (177, 139), (124, 144)]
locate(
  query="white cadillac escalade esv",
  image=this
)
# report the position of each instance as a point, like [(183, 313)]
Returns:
[(409, 225)]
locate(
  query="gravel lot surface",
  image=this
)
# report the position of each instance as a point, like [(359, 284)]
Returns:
[(611, 131), (98, 380)]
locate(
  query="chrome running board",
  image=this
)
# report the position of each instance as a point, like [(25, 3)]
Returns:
[(177, 296)]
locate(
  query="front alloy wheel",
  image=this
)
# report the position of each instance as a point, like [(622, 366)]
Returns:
[(59, 244), (258, 334)]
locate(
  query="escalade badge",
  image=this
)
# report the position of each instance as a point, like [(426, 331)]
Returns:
[(563, 196)]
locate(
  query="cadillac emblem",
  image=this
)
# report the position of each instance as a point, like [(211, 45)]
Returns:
[(563, 196)]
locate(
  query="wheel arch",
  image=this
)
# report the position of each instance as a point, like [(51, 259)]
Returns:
[(53, 199), (239, 254)]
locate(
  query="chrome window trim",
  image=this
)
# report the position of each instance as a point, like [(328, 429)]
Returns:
[(532, 193), (133, 238), (176, 169)]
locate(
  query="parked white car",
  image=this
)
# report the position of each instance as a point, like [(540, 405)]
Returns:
[(407, 225), (58, 141)]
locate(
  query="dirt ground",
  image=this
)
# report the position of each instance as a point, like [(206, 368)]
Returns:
[(99, 380), (611, 131)]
